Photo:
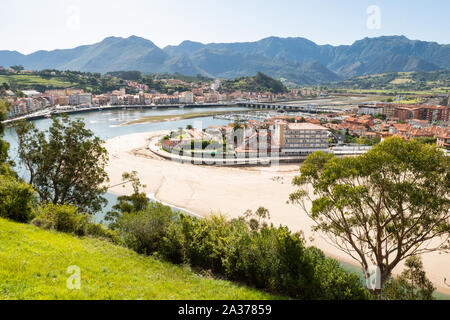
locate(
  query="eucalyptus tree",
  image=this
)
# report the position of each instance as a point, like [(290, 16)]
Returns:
[(381, 207)]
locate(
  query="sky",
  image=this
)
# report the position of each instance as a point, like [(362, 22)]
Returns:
[(28, 26)]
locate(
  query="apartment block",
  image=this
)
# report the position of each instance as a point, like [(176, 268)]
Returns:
[(302, 138)]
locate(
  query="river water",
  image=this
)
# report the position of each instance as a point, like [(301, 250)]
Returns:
[(108, 124)]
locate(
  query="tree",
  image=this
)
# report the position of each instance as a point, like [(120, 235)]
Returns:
[(412, 284), (381, 207), (18, 68), (5, 163), (65, 163), (136, 202), (3, 144), (19, 94)]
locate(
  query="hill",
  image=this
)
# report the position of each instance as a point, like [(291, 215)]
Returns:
[(436, 82), (296, 59), (33, 265), (258, 83)]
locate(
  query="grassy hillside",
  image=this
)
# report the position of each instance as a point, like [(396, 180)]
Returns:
[(435, 82), (33, 265), (24, 81)]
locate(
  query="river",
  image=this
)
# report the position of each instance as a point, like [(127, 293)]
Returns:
[(109, 124)]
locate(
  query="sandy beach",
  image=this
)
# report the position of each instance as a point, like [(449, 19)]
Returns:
[(230, 191)]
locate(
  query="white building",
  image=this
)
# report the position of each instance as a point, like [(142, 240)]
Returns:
[(302, 138), (372, 110), (187, 97), (80, 98)]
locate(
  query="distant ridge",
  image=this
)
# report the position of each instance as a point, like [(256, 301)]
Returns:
[(295, 59)]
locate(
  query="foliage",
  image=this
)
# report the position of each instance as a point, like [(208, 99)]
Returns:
[(63, 218), (143, 231), (334, 281), (3, 144), (382, 206), (65, 163), (369, 141), (258, 83), (126, 75), (55, 79), (67, 219), (426, 140), (136, 202), (412, 283), (250, 252), (34, 262), (397, 82), (17, 199)]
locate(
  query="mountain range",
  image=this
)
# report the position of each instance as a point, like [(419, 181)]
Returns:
[(298, 60)]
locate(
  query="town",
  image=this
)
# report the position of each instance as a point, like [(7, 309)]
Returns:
[(347, 122)]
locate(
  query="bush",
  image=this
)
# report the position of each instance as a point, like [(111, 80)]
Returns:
[(67, 219), (63, 218), (269, 258), (198, 242), (143, 231), (17, 199), (273, 259), (100, 231), (332, 282)]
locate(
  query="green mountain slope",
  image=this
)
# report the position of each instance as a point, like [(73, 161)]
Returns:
[(33, 265)]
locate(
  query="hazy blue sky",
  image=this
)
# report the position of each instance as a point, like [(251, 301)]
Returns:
[(28, 26)]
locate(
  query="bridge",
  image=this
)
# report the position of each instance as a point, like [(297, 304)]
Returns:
[(307, 108)]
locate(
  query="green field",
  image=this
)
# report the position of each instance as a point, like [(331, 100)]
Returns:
[(24, 80), (34, 262), (397, 83)]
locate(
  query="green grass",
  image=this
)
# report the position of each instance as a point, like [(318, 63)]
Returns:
[(24, 80), (34, 262)]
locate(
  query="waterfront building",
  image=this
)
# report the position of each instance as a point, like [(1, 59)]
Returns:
[(80, 98), (302, 138), (372, 110)]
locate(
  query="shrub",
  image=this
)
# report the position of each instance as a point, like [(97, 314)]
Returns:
[(269, 258), (143, 231), (331, 281), (198, 242), (412, 284), (100, 231), (17, 199), (63, 218), (67, 219), (263, 256)]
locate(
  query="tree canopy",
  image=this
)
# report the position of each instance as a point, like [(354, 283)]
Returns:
[(65, 164), (412, 283), (381, 207), (5, 162)]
